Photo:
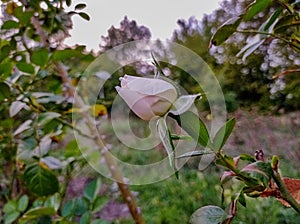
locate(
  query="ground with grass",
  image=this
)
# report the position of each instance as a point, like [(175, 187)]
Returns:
[(174, 200)]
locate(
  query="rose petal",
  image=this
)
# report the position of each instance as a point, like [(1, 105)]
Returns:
[(147, 97), (143, 109), (129, 96), (148, 86)]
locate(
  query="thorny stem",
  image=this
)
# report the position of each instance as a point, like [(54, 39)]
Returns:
[(112, 165), (285, 194)]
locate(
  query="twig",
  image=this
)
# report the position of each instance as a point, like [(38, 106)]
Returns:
[(72, 127)]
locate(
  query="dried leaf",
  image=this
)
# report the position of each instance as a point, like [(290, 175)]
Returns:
[(293, 186)]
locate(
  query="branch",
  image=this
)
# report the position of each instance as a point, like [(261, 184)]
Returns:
[(112, 165), (284, 5), (286, 72), (43, 35), (285, 194)]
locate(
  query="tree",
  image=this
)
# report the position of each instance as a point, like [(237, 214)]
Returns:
[(128, 31), (270, 57), (131, 33), (247, 81)]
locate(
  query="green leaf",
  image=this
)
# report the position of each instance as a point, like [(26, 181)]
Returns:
[(60, 55), (25, 67), (223, 134), (23, 16), (39, 57), (253, 189), (46, 117), (260, 171), (275, 162), (195, 153), (272, 20), (157, 65), (181, 137), (255, 42), (10, 206), (92, 189), (52, 162), (11, 217), (286, 22), (23, 127), (247, 157), (68, 208), (225, 31), (23, 203), (81, 206), (84, 16), (16, 107), (5, 68), (36, 213), (13, 46), (251, 47), (208, 215), (242, 199), (164, 136), (99, 203), (40, 180), (85, 218), (227, 176), (4, 52), (43, 148), (10, 24), (53, 201), (72, 149), (80, 6), (226, 161), (39, 202), (256, 7), (99, 221), (4, 91), (47, 97), (68, 2), (195, 127)]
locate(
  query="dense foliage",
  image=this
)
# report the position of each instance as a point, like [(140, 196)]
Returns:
[(247, 81)]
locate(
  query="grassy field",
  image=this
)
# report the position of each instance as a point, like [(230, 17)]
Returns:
[(174, 200)]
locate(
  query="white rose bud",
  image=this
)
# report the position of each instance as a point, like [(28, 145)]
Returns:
[(147, 97)]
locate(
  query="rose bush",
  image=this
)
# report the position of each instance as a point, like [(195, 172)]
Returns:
[(147, 97)]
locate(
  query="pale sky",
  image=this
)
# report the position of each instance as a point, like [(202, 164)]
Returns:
[(160, 16)]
